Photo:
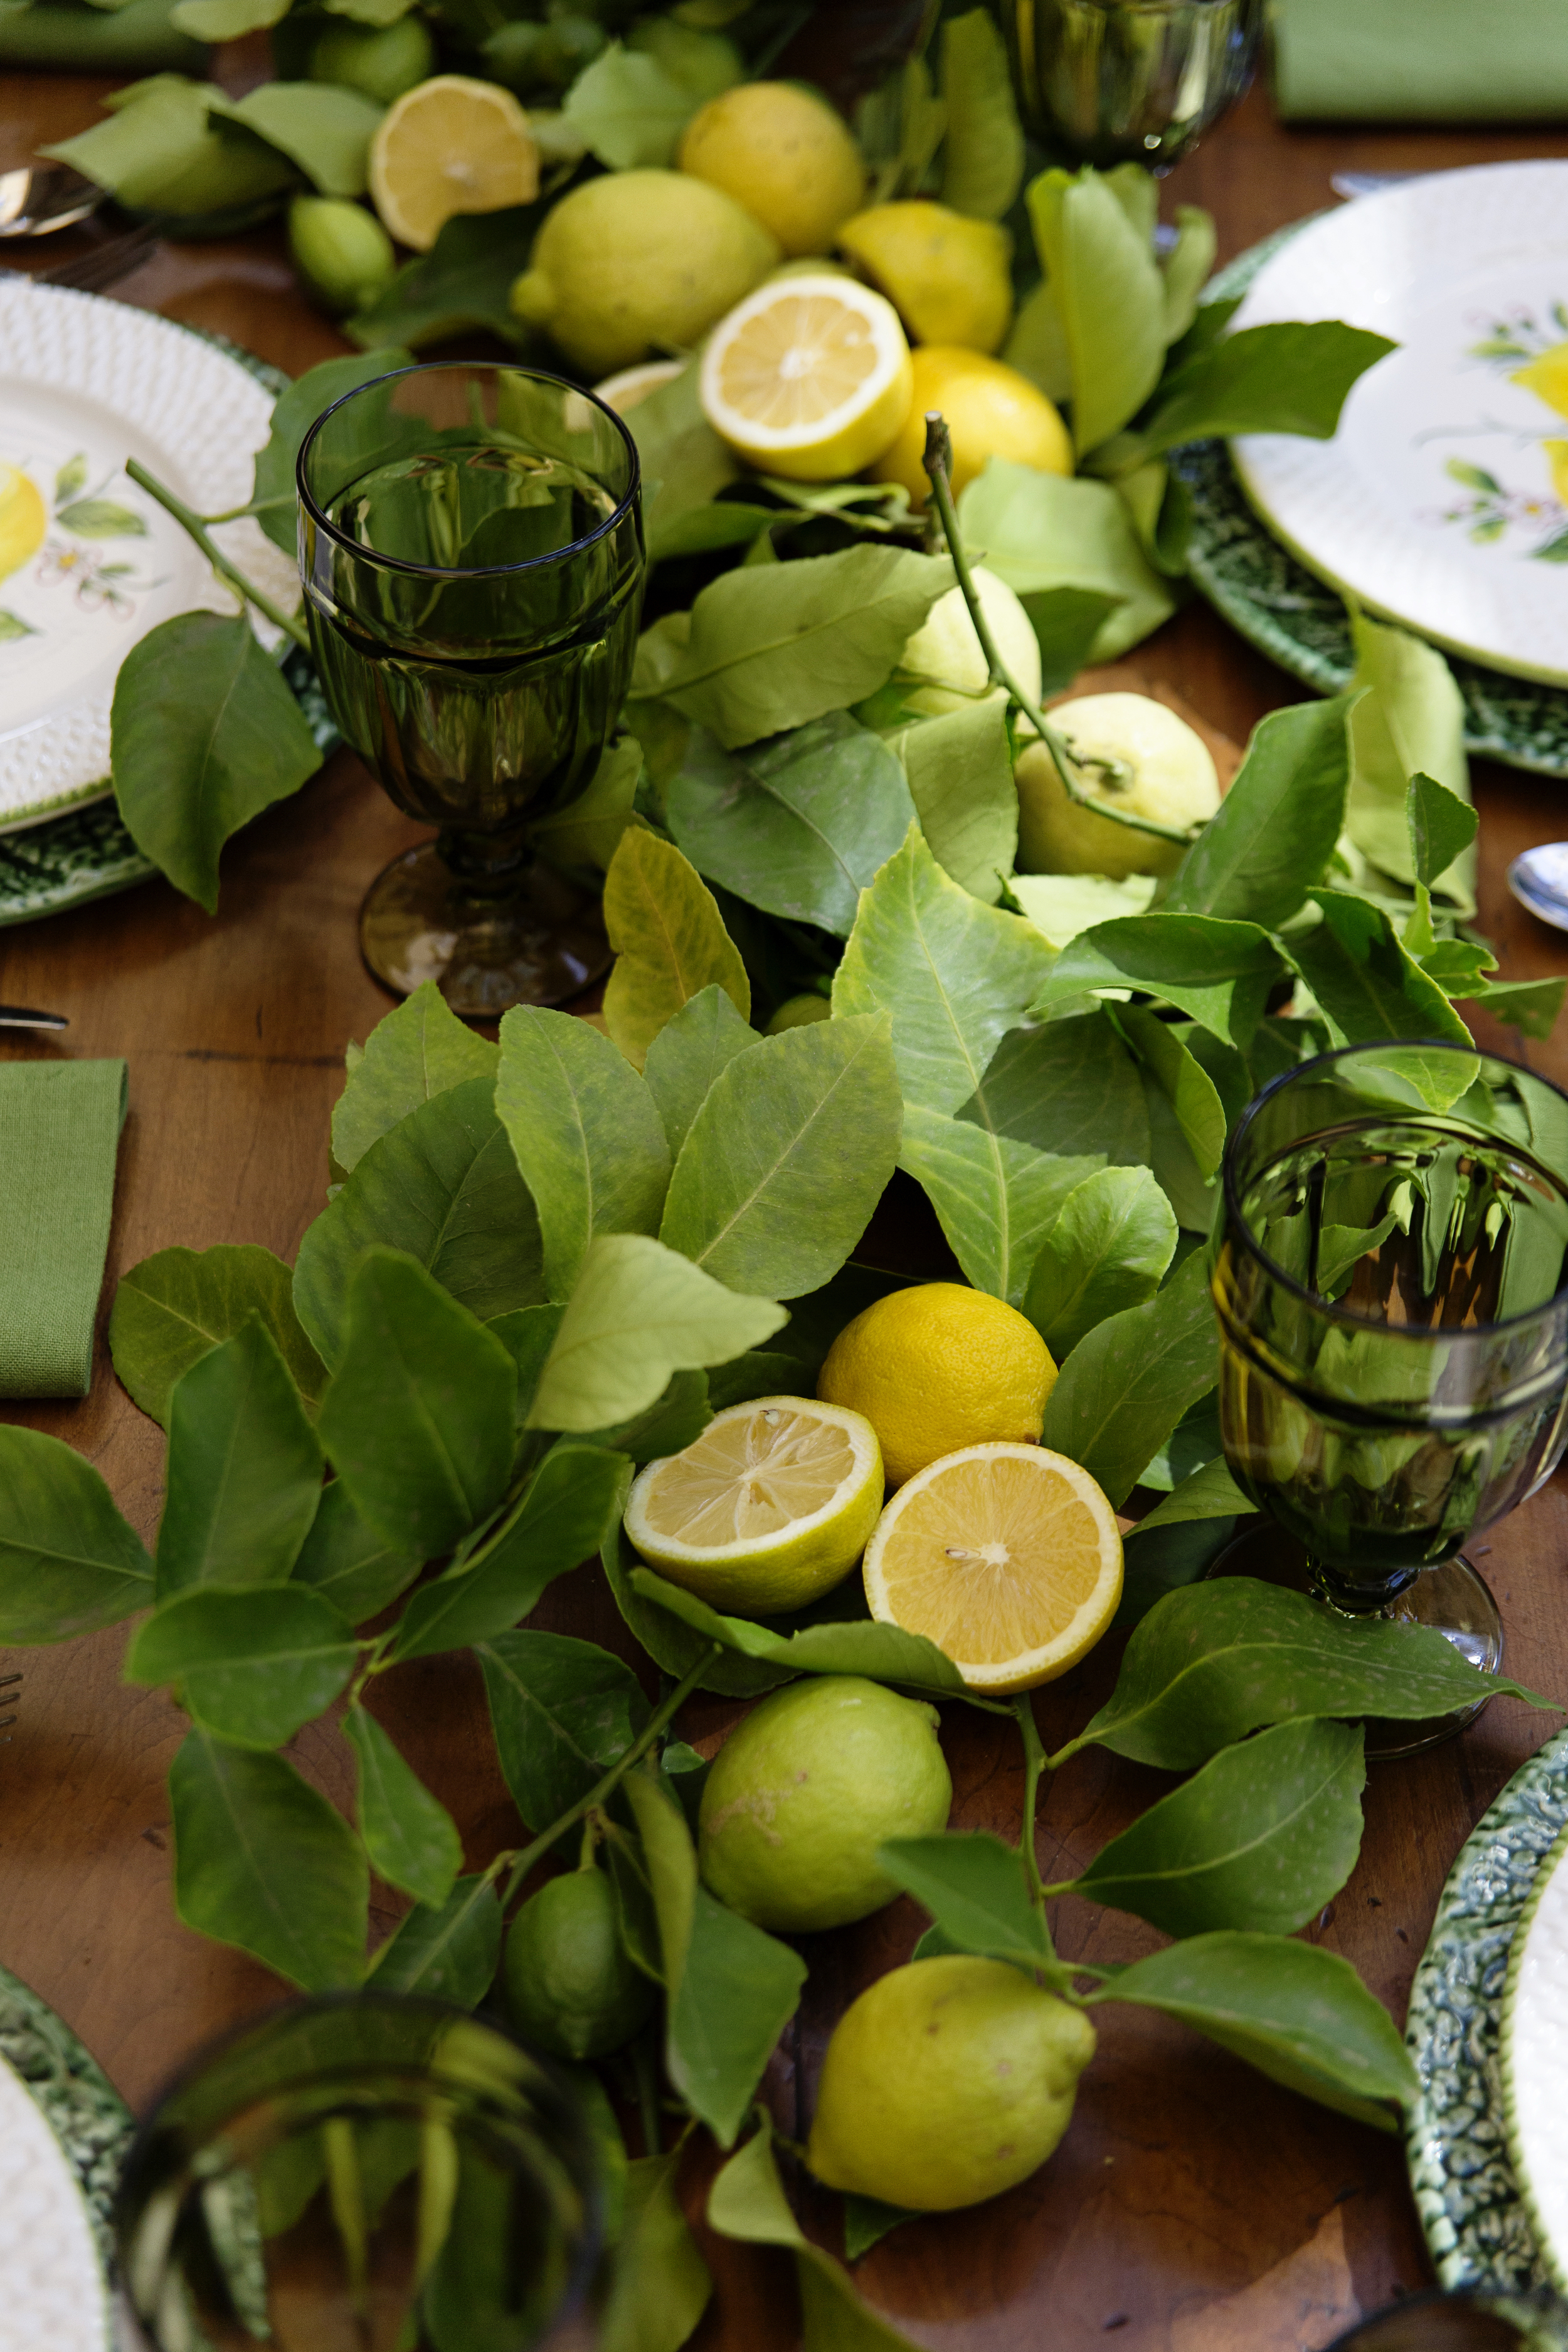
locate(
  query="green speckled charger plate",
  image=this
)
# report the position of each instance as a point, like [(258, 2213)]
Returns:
[(86, 852), (86, 2114), (1277, 605), (1477, 2223)]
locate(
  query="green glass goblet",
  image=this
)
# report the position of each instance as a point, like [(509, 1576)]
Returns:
[(471, 542), (1119, 81), (1388, 1271)]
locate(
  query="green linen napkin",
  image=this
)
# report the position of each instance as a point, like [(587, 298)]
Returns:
[(1420, 60), (136, 39), (59, 1135)]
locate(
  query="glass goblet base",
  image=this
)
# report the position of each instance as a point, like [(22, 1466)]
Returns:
[(1453, 1598), (537, 940)]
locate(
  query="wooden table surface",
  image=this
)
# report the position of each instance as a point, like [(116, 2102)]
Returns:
[(1194, 2207)]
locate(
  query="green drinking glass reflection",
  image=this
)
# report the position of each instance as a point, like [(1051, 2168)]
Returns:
[(360, 2174), (471, 542), (1388, 1270), (1118, 82)]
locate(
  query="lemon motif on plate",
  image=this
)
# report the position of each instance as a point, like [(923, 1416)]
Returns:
[(23, 519)]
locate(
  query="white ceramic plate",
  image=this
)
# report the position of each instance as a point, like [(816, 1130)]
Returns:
[(89, 563), (1442, 502), (51, 2285)]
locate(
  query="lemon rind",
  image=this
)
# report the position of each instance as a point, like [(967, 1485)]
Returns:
[(785, 440), (1030, 1667), (661, 1549)]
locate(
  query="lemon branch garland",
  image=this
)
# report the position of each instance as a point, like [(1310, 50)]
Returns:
[(196, 525)]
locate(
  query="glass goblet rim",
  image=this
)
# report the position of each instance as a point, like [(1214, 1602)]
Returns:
[(1236, 1222), (364, 554)]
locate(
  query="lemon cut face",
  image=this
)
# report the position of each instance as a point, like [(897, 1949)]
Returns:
[(772, 1506), (1007, 1557), (450, 145), (809, 377)]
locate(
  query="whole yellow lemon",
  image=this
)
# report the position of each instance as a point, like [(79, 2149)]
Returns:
[(23, 519), (1139, 756), (937, 1367), (782, 152), (991, 411), (948, 277)]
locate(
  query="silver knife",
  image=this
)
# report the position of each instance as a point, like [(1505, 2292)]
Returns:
[(20, 1016)]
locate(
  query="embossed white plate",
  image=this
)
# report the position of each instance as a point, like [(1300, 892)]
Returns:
[(51, 2284), (1442, 502), (89, 563)]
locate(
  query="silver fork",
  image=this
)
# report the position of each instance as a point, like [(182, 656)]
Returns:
[(10, 1695), (103, 265)]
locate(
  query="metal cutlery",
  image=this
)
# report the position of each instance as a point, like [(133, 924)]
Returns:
[(39, 199), (22, 1017)]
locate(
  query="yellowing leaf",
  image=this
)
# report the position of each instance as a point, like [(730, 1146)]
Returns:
[(670, 939)]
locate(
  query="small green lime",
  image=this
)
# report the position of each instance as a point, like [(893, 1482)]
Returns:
[(805, 1790), (799, 1011), (569, 1987), (946, 2082), (382, 64), (340, 250)]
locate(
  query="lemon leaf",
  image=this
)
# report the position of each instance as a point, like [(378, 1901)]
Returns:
[(685, 464), (562, 1711), (577, 1494), (1071, 1087), (450, 1954), (172, 1308), (983, 155), (659, 2283), (1043, 531), (1128, 1383), (464, 282), (1108, 296), (973, 1886), (960, 772), (1108, 1250), (1219, 973), (628, 110), (1288, 377), (995, 1199), (1275, 830), (1182, 1081), (418, 1050), (1409, 721), (882, 1654), (1367, 984), (321, 127), (669, 940), (1186, 269), (687, 1054), (670, 1642), (747, 2201)]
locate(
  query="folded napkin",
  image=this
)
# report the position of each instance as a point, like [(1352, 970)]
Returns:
[(60, 1135), (136, 39), (1420, 60)]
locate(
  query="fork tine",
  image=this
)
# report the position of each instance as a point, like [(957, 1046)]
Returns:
[(104, 264)]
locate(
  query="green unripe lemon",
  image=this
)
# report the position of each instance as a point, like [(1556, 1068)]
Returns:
[(805, 1790), (341, 251), (569, 1985), (948, 2081), (799, 1011), (383, 64)]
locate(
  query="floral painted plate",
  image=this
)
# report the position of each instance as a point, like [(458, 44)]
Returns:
[(1478, 2223), (1277, 605), (1442, 501), (63, 2133)]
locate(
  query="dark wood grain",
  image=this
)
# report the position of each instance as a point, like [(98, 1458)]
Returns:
[(1193, 2208)]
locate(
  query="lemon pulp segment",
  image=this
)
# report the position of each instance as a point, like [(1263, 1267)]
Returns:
[(1007, 1557), (809, 376), (755, 1475)]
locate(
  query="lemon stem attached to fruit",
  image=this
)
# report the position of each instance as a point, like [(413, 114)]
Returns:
[(1114, 774)]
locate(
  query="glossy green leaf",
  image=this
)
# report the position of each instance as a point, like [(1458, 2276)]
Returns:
[(585, 1134), (1211, 1664), (788, 1157), (798, 825), (69, 1563), (160, 150), (1219, 973), (659, 2283), (883, 1653), (1297, 2013), (563, 1712), (1109, 296), (687, 1054), (1069, 1088), (420, 1050), (419, 1420), (774, 647), (669, 940), (172, 1308), (982, 150), (1442, 827), (1184, 1082), (322, 127), (1128, 1383), (1409, 720), (263, 1860), (640, 1312), (954, 975), (960, 771), (672, 1423), (760, 1372), (576, 1500), (1366, 982), (528, 1333), (670, 1642), (1166, 1559), (627, 111), (747, 2201), (1069, 623), (1043, 533), (449, 1954), (294, 413), (1259, 1840), (442, 1187), (995, 1199), (586, 834), (867, 2221), (703, 529), (1037, 344), (1288, 377), (1277, 826), (1531, 1006), (732, 1988), (1185, 269), (1107, 1250), (1060, 906), (252, 1667), (244, 1474), (1207, 1493), (347, 1563), (204, 735), (410, 1838), (684, 462), (464, 282), (973, 1886)]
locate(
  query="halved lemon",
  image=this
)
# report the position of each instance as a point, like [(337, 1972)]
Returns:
[(808, 377), (771, 1507), (450, 145), (1007, 1557)]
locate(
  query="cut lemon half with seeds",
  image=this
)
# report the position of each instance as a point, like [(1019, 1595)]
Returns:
[(808, 377), (771, 1507), (1007, 1557), (449, 145)]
